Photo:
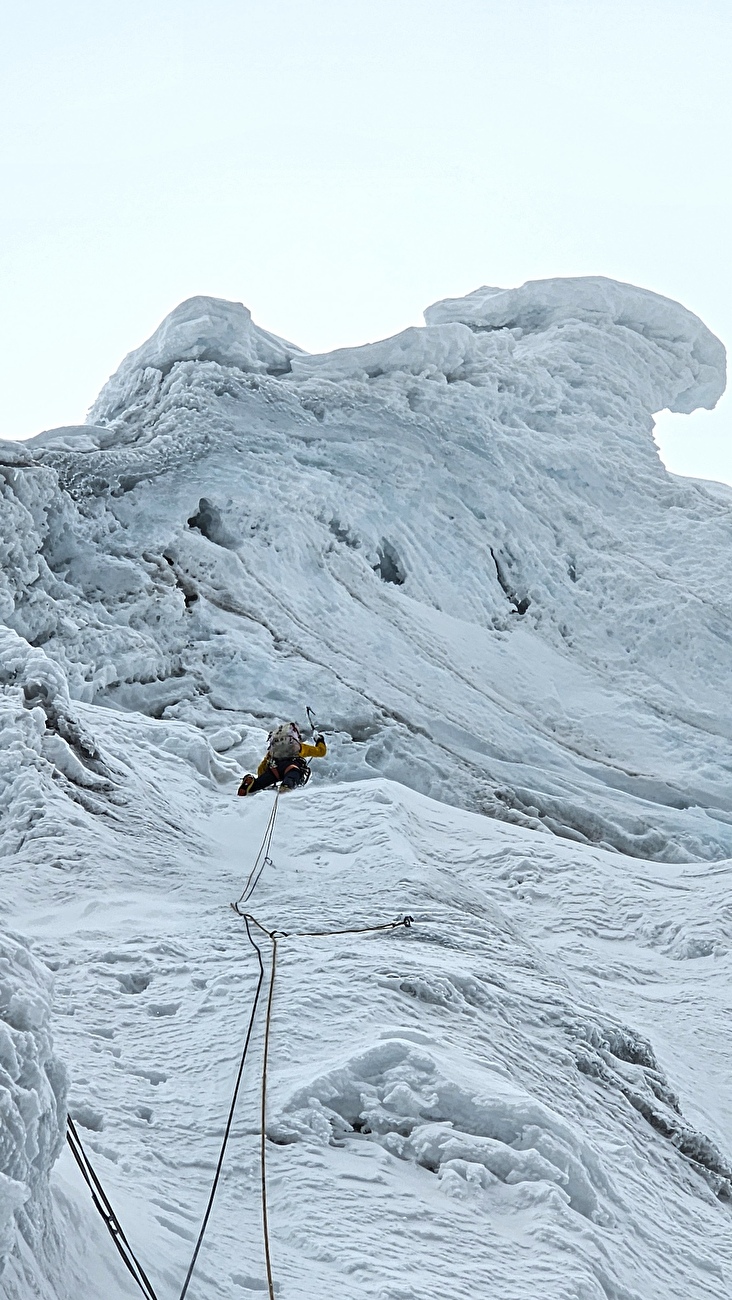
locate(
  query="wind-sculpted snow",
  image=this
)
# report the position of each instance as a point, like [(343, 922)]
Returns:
[(458, 545), (32, 1101), (46, 753), (423, 1111), (200, 329), (682, 363)]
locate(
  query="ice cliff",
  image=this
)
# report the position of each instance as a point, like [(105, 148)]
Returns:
[(459, 546)]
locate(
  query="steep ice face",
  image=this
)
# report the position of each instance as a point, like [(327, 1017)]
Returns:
[(529, 1084), (458, 545)]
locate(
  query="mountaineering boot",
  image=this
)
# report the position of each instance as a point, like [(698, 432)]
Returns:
[(246, 784)]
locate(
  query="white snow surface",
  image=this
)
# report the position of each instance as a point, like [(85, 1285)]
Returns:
[(460, 547)]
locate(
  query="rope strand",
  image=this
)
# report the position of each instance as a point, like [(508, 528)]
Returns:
[(274, 936), (263, 1142), (230, 1119), (99, 1197), (262, 859), (406, 921), (103, 1205)]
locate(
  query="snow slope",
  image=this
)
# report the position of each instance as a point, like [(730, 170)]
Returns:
[(461, 548), (485, 1103)]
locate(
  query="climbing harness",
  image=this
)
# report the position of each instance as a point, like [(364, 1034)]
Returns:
[(102, 1204)]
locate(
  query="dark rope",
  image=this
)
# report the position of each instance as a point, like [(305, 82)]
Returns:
[(230, 1119), (263, 1142), (262, 859), (406, 921), (103, 1205), (99, 1197)]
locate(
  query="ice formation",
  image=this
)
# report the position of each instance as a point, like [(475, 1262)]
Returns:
[(32, 1106), (459, 546)]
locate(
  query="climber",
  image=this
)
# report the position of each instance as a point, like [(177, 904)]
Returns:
[(284, 761)]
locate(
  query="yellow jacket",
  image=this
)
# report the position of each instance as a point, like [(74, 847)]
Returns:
[(306, 751)]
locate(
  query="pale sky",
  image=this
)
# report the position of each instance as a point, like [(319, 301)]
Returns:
[(337, 165)]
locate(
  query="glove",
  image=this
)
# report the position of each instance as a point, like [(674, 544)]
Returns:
[(319, 739)]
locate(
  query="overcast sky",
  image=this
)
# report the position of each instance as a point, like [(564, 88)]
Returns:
[(339, 164)]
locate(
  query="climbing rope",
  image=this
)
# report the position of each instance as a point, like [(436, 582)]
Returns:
[(263, 1122), (262, 859), (405, 921), (274, 936), (230, 1119), (102, 1204), (99, 1196)]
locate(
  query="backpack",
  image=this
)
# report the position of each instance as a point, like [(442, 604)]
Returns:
[(284, 741)]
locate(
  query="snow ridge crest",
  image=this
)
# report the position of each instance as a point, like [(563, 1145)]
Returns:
[(676, 360)]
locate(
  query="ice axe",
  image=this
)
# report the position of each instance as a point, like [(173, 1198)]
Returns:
[(311, 719)]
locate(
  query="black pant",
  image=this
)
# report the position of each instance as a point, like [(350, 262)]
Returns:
[(290, 771)]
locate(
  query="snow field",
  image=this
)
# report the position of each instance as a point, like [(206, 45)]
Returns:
[(447, 1114)]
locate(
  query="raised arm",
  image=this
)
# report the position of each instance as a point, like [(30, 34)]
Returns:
[(318, 750)]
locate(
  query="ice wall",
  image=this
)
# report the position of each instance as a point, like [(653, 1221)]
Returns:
[(458, 545)]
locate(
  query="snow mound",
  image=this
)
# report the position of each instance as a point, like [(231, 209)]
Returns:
[(70, 437), (199, 329), (697, 369), (32, 1099), (421, 1108)]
